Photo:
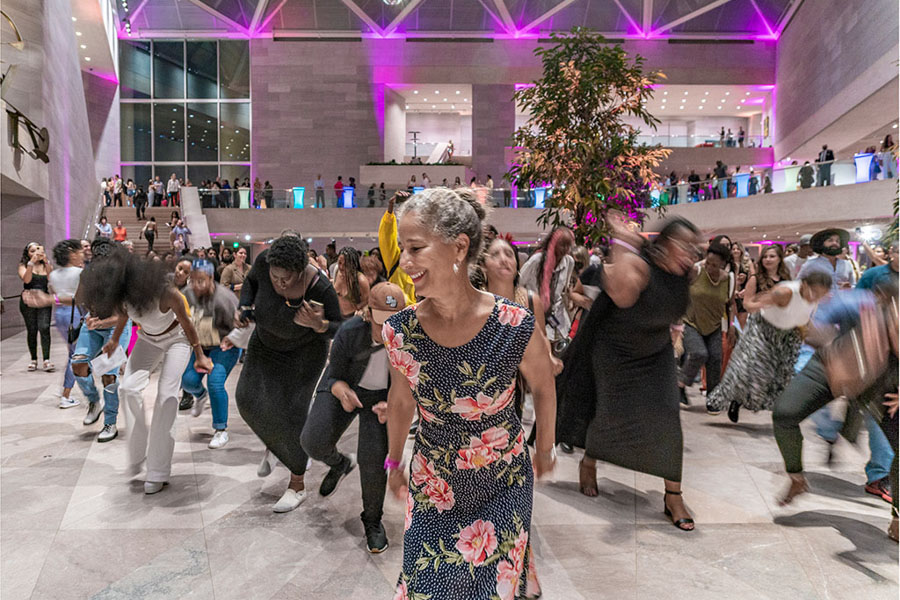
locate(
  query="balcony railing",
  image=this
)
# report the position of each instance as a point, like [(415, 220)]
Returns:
[(860, 169), (710, 140)]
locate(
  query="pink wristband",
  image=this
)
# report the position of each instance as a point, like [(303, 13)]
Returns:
[(391, 465)]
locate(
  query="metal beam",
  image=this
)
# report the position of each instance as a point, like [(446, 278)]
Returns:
[(788, 15), (647, 16), (547, 15), (691, 15), (271, 16), (503, 11), (133, 14), (762, 17), (364, 17), (493, 15), (217, 14), (407, 10), (258, 14), (628, 15)]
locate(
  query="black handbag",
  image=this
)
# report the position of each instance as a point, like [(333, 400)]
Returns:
[(73, 332)]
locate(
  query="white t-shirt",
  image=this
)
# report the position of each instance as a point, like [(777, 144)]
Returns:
[(173, 186), (795, 263), (319, 184), (64, 281), (375, 377)]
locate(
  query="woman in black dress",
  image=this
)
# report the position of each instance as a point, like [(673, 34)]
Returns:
[(296, 313), (619, 392)]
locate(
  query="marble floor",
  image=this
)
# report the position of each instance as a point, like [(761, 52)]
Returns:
[(74, 525)]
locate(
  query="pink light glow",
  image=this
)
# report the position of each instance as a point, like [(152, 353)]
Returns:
[(762, 88), (756, 101)]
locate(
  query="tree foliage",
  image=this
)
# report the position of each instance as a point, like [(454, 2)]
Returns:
[(577, 140)]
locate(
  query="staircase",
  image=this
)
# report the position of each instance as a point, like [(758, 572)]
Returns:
[(134, 226)]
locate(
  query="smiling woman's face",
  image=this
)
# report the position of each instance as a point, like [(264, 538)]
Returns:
[(427, 258)]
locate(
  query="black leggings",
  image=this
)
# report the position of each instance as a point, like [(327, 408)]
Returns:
[(151, 237), (37, 320)]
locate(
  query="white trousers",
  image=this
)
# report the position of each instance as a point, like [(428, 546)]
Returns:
[(173, 351)]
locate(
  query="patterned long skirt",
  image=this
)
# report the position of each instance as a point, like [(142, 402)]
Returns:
[(760, 368)]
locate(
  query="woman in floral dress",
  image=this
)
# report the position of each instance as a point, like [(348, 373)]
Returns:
[(454, 358)]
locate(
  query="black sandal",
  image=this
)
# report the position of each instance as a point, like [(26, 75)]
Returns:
[(679, 522)]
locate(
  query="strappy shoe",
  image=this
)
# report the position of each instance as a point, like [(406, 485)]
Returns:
[(680, 523), (49, 366), (587, 479), (32, 366)]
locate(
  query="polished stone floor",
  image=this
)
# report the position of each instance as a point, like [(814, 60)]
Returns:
[(74, 525)]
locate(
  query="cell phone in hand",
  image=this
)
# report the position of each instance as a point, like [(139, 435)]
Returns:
[(315, 304)]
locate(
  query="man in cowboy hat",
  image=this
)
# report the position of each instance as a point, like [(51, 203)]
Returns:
[(828, 244), (356, 383)]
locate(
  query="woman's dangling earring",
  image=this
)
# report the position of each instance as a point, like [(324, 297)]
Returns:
[(455, 269)]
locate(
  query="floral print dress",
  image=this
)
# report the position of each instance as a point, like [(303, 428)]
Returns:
[(468, 513)]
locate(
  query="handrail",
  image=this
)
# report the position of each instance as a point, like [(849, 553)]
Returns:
[(95, 218)]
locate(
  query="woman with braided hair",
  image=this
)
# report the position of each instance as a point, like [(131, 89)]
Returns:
[(547, 274), (350, 283)]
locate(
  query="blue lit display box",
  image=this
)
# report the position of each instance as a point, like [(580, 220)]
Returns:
[(863, 166), (348, 197), (742, 180), (298, 196), (417, 189), (540, 195)]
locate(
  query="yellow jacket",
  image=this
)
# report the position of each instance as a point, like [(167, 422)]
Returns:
[(390, 254)]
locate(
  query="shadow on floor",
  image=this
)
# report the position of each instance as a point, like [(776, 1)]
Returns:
[(871, 541)]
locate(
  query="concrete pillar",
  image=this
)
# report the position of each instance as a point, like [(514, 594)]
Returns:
[(394, 126), (493, 124)]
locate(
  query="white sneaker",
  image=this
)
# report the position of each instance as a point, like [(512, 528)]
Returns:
[(108, 433), (289, 501), (152, 487), (68, 402), (219, 439), (199, 404)]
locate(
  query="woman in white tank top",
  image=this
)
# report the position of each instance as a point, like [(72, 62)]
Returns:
[(763, 362), (128, 286)]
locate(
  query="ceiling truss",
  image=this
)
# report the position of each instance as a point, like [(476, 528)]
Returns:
[(636, 21)]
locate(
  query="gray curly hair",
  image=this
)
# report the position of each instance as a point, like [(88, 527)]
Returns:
[(449, 213)]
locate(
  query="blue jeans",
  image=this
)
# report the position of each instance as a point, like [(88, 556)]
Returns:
[(88, 347), (64, 316), (881, 453), (192, 382)]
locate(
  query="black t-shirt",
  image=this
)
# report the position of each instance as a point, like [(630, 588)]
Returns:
[(591, 280)]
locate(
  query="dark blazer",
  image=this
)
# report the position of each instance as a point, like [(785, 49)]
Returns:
[(349, 354)]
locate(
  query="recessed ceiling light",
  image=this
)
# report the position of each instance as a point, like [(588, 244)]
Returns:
[(407, 107), (723, 99), (465, 99), (662, 107), (683, 100), (700, 107), (895, 126), (680, 108), (704, 100), (685, 93), (706, 94), (664, 100), (665, 93), (426, 100), (457, 91), (719, 107), (445, 99), (74, 19), (747, 94), (727, 93), (739, 108), (415, 91), (87, 58), (83, 46), (433, 106), (436, 92), (78, 33), (743, 100), (452, 106)]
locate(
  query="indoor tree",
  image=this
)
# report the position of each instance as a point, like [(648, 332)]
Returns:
[(577, 140)]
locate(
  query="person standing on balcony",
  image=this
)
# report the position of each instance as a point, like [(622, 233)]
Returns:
[(805, 176), (694, 180), (729, 139), (824, 161), (338, 191), (741, 135), (721, 173), (268, 193), (319, 186), (722, 138)]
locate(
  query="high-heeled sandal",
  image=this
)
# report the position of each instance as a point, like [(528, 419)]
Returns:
[(587, 479), (680, 522), (32, 366)]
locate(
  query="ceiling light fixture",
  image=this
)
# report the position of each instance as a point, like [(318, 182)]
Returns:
[(706, 94), (457, 92), (78, 33), (747, 94), (685, 93), (727, 93), (83, 46), (87, 58), (665, 93), (436, 92), (415, 91), (704, 100)]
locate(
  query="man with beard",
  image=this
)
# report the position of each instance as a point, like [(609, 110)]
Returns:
[(827, 244)]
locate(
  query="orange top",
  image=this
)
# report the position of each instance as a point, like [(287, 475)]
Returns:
[(120, 234)]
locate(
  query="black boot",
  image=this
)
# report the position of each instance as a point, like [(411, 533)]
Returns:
[(187, 401), (376, 538)]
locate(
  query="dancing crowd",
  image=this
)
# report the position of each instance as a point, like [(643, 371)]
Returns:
[(446, 332)]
